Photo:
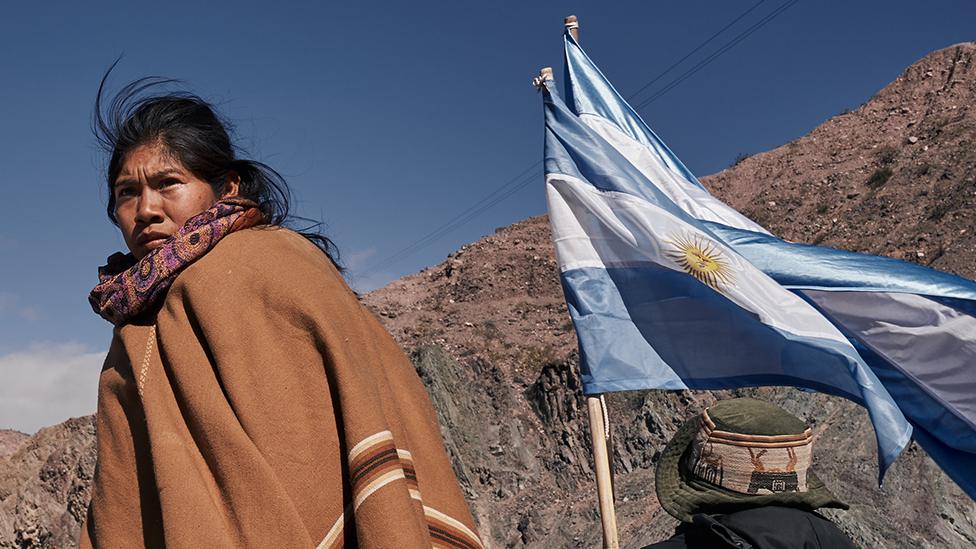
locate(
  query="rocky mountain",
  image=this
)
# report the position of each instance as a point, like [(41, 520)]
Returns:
[(11, 441), (489, 334), (44, 486)]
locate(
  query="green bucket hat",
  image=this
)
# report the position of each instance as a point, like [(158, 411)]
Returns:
[(739, 454)]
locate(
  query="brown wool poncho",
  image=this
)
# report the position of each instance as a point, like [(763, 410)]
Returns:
[(263, 406)]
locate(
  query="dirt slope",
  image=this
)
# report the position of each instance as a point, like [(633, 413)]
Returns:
[(11, 441)]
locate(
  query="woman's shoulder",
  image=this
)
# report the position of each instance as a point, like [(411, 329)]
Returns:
[(263, 255), (267, 243)]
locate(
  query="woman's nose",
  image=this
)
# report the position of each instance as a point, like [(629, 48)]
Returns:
[(149, 209)]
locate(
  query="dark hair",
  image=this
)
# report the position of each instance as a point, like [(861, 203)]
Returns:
[(194, 134)]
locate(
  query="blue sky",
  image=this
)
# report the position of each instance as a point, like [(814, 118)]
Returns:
[(388, 119)]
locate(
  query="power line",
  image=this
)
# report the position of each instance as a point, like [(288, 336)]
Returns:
[(696, 50), (517, 183), (716, 54), (493, 198)]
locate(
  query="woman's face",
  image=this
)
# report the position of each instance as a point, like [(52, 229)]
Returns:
[(155, 195)]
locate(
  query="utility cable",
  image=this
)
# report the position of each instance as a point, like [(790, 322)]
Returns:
[(716, 54), (498, 195), (696, 50)]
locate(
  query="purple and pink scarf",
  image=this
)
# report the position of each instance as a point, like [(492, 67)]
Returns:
[(127, 287)]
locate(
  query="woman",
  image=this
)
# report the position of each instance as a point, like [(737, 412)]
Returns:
[(247, 399)]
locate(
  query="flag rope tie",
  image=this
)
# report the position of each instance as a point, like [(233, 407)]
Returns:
[(606, 418)]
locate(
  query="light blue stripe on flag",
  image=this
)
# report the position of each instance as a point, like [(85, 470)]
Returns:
[(806, 266), (582, 74)]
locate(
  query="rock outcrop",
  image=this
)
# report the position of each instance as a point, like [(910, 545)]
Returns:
[(45, 486)]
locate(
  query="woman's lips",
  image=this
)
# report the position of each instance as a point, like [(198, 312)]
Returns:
[(154, 243)]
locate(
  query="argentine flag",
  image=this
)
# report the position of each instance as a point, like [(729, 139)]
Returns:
[(669, 288)]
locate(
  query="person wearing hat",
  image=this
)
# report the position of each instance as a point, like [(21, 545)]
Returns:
[(738, 475)]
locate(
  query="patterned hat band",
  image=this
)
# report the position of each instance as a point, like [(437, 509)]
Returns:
[(750, 464)]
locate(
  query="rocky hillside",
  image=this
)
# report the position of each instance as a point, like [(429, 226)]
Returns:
[(11, 441), (44, 486), (489, 334)]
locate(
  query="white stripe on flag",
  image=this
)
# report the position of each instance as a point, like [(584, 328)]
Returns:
[(594, 228)]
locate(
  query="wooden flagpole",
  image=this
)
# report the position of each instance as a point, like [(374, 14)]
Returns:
[(595, 405), (599, 430), (572, 25), (601, 462)]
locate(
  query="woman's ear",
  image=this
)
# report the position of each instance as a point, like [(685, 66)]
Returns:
[(231, 185)]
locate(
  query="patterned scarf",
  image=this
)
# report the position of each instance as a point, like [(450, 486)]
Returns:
[(128, 287)]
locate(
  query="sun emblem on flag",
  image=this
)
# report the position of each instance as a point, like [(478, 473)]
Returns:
[(702, 259)]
